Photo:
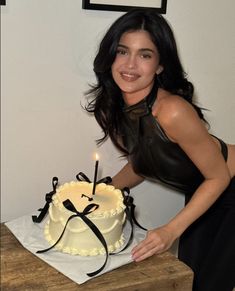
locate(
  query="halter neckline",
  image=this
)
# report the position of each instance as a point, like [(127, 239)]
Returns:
[(144, 106)]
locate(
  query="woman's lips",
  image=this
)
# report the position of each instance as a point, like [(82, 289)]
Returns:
[(129, 77)]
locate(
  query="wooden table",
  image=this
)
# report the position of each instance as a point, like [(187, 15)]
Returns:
[(22, 271)]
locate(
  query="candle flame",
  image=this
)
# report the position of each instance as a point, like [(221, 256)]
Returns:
[(96, 157)]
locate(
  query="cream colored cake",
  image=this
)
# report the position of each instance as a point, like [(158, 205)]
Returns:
[(78, 238)]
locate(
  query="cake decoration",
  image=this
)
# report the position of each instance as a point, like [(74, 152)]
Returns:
[(81, 223), (48, 198)]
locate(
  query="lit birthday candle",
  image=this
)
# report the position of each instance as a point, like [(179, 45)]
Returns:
[(95, 174)]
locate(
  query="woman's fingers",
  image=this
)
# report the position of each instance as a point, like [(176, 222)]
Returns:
[(156, 241)]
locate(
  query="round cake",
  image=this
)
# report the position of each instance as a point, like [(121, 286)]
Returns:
[(78, 238)]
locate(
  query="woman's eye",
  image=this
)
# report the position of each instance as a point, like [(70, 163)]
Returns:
[(146, 56), (121, 52)]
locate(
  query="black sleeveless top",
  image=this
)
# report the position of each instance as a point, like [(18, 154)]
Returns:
[(152, 154)]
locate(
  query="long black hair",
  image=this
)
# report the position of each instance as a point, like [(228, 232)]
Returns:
[(107, 99)]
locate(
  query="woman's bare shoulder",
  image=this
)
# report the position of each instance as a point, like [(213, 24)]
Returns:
[(170, 108)]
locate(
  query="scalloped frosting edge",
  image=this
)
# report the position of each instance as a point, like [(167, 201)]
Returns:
[(83, 252)]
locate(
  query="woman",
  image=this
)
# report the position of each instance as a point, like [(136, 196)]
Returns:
[(143, 102)]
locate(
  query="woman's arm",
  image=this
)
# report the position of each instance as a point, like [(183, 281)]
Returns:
[(183, 126), (126, 177)]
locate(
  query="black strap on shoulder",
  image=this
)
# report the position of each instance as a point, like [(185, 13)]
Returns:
[(224, 148), (150, 99)]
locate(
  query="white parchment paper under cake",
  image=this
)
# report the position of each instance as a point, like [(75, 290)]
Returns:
[(31, 236)]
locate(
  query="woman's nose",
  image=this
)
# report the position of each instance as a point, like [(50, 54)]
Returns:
[(131, 62)]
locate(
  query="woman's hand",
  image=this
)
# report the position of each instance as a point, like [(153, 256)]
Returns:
[(157, 241)]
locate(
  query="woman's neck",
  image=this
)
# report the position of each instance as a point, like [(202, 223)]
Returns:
[(135, 97)]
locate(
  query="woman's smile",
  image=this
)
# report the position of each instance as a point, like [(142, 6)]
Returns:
[(129, 77)]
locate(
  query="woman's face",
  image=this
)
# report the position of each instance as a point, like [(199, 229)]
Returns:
[(135, 65)]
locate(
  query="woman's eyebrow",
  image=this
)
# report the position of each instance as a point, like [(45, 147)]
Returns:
[(122, 45), (142, 49), (147, 49)]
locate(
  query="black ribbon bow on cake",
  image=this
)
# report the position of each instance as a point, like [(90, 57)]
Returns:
[(48, 198), (83, 215), (130, 214)]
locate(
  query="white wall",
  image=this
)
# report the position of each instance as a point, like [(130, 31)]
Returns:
[(47, 52)]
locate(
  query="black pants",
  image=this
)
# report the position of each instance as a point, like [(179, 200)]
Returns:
[(208, 245)]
